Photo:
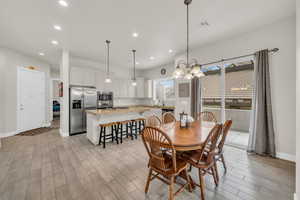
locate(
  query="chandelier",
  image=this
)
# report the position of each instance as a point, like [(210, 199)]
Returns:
[(185, 68)]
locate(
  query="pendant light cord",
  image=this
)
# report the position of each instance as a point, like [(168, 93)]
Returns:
[(187, 33), (133, 51), (107, 61)]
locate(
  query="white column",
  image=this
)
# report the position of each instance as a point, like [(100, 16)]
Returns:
[(297, 194), (64, 101)]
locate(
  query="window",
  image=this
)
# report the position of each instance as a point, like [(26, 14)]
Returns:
[(239, 85), (211, 91), (164, 89)]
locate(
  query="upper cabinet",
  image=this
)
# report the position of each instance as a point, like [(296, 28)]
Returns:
[(121, 86), (82, 76), (76, 76), (149, 88), (140, 88), (144, 88)]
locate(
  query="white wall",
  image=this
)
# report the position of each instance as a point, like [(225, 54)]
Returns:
[(298, 104), (9, 61), (54, 74), (282, 72), (280, 35), (154, 73), (2, 92)]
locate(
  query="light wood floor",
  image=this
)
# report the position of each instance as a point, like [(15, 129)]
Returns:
[(47, 166)]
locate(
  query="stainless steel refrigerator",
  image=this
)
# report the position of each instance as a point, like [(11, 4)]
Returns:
[(81, 99)]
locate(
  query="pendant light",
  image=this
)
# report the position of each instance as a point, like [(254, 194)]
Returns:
[(186, 69), (134, 78), (107, 78)]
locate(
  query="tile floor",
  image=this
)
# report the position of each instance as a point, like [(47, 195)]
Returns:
[(47, 166), (237, 139)]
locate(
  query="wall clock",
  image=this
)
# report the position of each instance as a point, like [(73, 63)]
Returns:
[(163, 71)]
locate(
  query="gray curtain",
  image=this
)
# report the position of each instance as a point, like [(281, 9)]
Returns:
[(195, 97), (262, 139)]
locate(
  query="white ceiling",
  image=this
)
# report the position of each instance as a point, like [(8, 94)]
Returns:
[(27, 26)]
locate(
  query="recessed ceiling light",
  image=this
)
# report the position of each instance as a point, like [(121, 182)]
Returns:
[(152, 58), (135, 34), (54, 42), (57, 27), (63, 3), (41, 54), (170, 51), (137, 63)]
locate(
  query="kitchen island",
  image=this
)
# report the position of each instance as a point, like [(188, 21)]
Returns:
[(103, 116)]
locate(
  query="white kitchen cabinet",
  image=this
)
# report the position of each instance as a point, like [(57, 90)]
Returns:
[(82, 76), (131, 89), (108, 87), (89, 78), (140, 88), (148, 88), (144, 88), (123, 87), (76, 77), (116, 87), (100, 77)]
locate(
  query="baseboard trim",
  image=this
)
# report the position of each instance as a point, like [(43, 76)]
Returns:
[(47, 124), (295, 196), (63, 134), (8, 134), (285, 156)]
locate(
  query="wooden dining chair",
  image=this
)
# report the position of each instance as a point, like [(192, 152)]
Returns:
[(153, 121), (163, 163), (220, 152), (168, 118), (204, 159), (207, 116)]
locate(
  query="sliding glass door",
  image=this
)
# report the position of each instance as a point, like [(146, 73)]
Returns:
[(227, 92), (211, 91)]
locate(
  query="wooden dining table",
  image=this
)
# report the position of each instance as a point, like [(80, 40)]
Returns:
[(190, 138)]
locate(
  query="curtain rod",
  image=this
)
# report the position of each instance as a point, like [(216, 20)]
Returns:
[(233, 58)]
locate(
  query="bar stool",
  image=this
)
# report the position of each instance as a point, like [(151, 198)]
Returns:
[(141, 124), (104, 136), (120, 129), (134, 129)]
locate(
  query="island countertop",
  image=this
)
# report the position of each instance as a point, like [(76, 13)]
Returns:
[(97, 117), (137, 109)]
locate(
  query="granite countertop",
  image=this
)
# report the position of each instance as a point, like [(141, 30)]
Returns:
[(120, 110)]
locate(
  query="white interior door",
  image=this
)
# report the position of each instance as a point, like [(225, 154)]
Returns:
[(31, 99)]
